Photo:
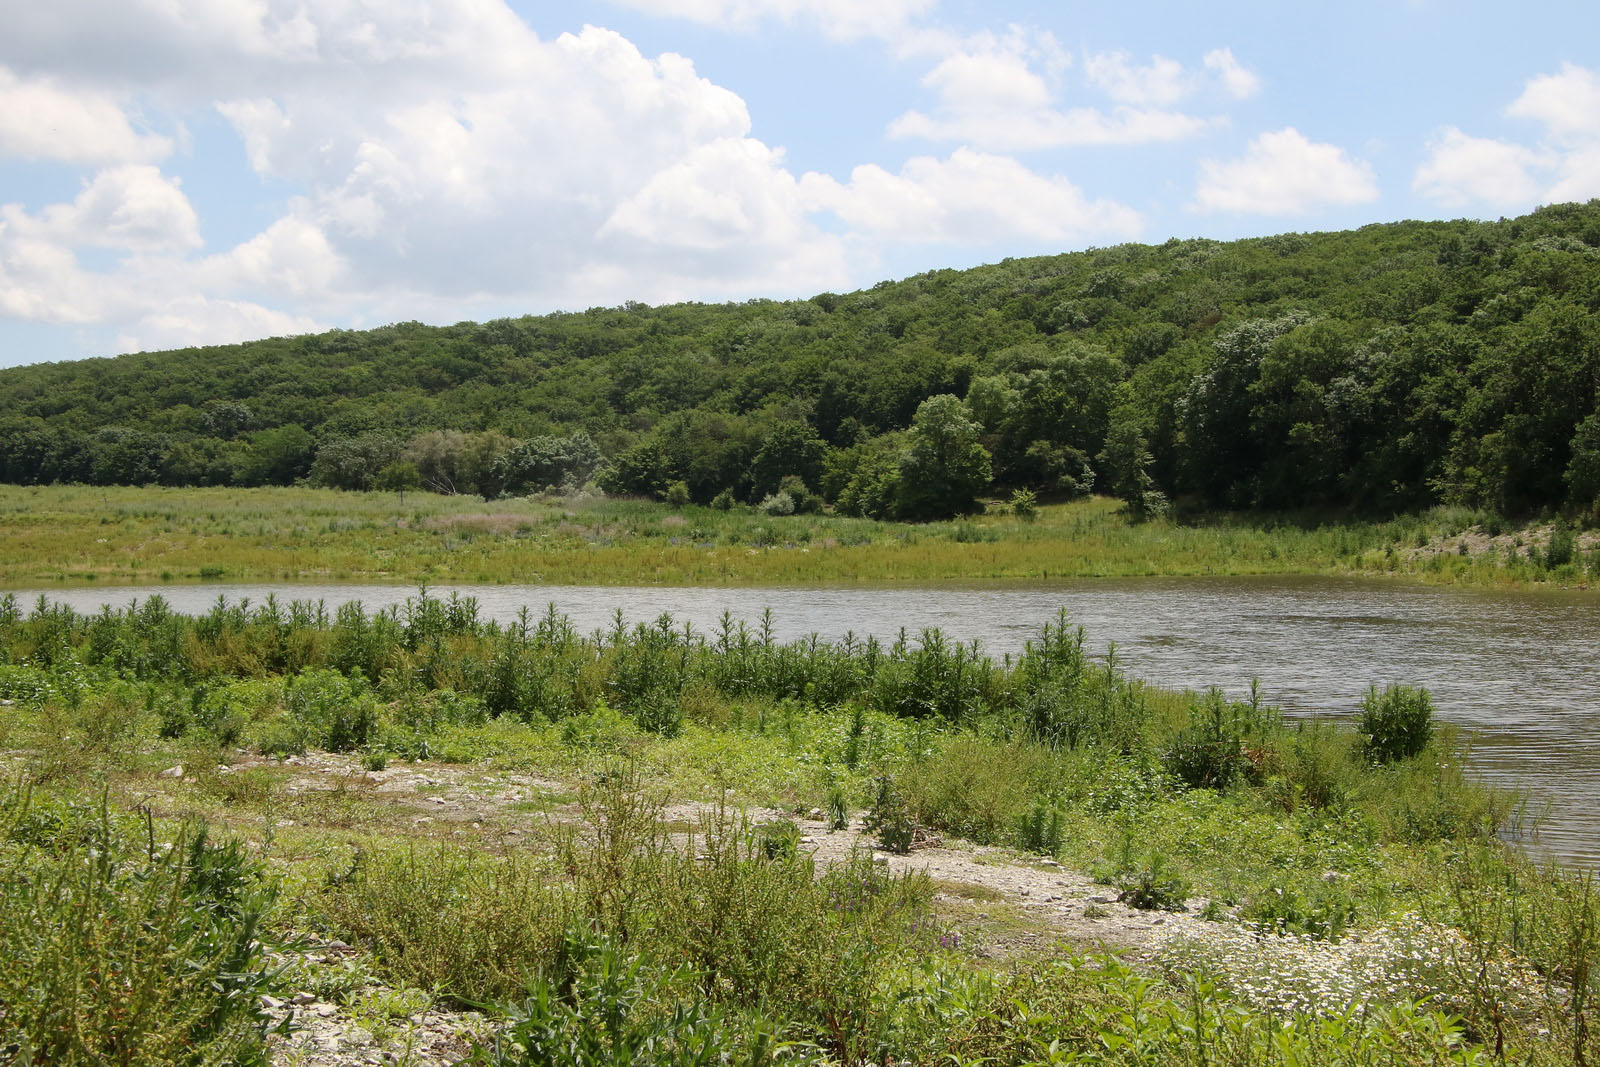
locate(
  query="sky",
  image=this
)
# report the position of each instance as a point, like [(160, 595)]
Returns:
[(194, 172)]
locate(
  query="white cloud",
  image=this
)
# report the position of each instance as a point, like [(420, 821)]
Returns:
[(132, 208), (199, 320), (1161, 83), (293, 257), (40, 279), (989, 80), (520, 185), (468, 163), (840, 19), (1240, 82), (1567, 104), (990, 96), (971, 198), (1283, 173), (1462, 170), (42, 120), (1577, 176), (447, 159)]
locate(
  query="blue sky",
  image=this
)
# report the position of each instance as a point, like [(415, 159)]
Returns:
[(182, 172)]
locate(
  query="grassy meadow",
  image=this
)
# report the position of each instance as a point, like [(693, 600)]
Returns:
[(654, 847), (80, 534)]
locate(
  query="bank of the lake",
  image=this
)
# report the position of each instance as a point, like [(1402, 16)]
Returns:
[(76, 534), (453, 804), (1513, 668)]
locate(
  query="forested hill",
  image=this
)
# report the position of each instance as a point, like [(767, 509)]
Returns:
[(1386, 368)]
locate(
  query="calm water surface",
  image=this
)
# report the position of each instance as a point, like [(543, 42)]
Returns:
[(1520, 670)]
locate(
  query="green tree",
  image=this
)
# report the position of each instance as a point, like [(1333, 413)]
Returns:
[(1126, 461), (643, 470), (788, 448), (278, 456), (451, 462), (1583, 470), (354, 462), (943, 467), (398, 477), (542, 463)]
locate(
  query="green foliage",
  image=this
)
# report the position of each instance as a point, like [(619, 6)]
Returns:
[(326, 710), (838, 809), (1127, 463), (1324, 912), (609, 934), (604, 1010), (1563, 547), (1221, 743), (546, 462), (1397, 723), (448, 918), (973, 788), (889, 819), (355, 462), (1583, 469), (779, 503), (123, 948), (1039, 830), (1153, 886), (943, 467), (1279, 372), (398, 477)]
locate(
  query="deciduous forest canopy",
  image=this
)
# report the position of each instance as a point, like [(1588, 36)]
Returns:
[(1388, 368)]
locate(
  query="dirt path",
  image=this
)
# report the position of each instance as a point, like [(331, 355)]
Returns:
[(999, 902)]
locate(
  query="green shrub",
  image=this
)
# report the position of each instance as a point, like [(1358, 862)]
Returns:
[(974, 788), (888, 818), (779, 839), (1039, 830), (120, 948), (806, 502), (600, 729), (1323, 912), (1318, 766), (1563, 547), (768, 930), (1396, 723), (449, 919), (1214, 750), (1431, 799), (611, 1009), (838, 809), (1153, 887), (779, 503)]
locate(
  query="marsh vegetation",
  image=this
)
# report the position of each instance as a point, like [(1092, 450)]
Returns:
[(122, 535), (611, 847)]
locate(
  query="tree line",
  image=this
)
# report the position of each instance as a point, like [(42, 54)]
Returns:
[(1382, 369)]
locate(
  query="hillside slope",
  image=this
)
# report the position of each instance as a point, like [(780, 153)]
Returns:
[(1389, 367)]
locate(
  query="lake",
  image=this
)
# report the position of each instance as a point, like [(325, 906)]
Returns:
[(1519, 669)]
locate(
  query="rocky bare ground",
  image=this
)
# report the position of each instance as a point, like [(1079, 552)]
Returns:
[(998, 901)]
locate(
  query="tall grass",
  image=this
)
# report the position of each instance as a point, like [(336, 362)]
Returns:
[(75, 533)]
